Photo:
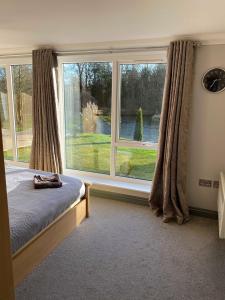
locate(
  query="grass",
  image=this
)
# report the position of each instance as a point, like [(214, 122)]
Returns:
[(8, 155), (23, 154), (135, 163), (91, 152)]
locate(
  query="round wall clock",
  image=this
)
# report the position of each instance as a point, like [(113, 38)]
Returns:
[(214, 80)]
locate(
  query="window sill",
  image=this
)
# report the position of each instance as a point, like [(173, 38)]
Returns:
[(135, 189)]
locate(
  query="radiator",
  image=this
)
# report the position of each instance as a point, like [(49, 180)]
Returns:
[(221, 204)]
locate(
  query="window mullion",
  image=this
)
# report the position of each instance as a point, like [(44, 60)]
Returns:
[(11, 110), (114, 118), (61, 114)]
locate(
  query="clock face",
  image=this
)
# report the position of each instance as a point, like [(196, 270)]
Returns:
[(214, 80)]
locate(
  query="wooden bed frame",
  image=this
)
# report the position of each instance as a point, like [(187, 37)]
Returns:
[(13, 268), (32, 253)]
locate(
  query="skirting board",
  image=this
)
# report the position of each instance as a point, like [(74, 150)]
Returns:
[(143, 201), (119, 197)]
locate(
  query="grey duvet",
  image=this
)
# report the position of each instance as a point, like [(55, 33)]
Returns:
[(31, 210)]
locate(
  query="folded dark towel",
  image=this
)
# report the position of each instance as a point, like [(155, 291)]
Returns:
[(43, 182)]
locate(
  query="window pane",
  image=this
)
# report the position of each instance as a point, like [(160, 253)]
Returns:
[(22, 93), (4, 113), (87, 97), (141, 90), (135, 162)]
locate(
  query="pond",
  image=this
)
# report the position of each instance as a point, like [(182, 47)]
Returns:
[(127, 127)]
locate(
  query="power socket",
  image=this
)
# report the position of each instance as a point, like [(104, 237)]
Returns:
[(205, 183), (215, 184)]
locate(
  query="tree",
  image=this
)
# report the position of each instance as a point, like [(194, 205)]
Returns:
[(89, 115), (142, 86), (138, 131), (22, 83), (3, 85), (3, 90)]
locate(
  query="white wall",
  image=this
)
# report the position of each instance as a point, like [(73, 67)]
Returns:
[(207, 131)]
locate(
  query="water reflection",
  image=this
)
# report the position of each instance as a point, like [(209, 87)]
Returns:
[(127, 126)]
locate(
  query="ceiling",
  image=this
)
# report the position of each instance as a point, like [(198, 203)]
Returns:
[(29, 23)]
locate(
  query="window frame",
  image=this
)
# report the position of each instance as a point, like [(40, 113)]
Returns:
[(116, 59), (129, 143), (7, 63)]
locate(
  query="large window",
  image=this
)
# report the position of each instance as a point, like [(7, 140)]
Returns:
[(4, 113), (111, 116), (110, 112), (87, 98), (140, 100), (22, 96), (141, 87), (16, 110)]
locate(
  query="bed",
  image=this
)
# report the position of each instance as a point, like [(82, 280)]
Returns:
[(41, 219)]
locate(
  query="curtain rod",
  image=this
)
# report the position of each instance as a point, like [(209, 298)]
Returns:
[(110, 50), (92, 51), (98, 51)]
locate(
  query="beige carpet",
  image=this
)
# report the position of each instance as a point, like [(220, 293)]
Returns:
[(124, 252)]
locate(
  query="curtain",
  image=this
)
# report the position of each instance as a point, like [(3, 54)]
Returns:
[(168, 195), (45, 151)]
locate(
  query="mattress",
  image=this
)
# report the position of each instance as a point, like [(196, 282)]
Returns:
[(30, 210)]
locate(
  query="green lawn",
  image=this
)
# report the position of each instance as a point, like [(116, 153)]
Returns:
[(23, 154), (8, 154), (135, 163), (91, 152)]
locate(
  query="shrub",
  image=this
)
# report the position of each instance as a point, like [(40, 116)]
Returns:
[(138, 131), (90, 114)]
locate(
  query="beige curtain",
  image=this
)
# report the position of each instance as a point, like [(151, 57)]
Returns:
[(45, 152), (168, 195)]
